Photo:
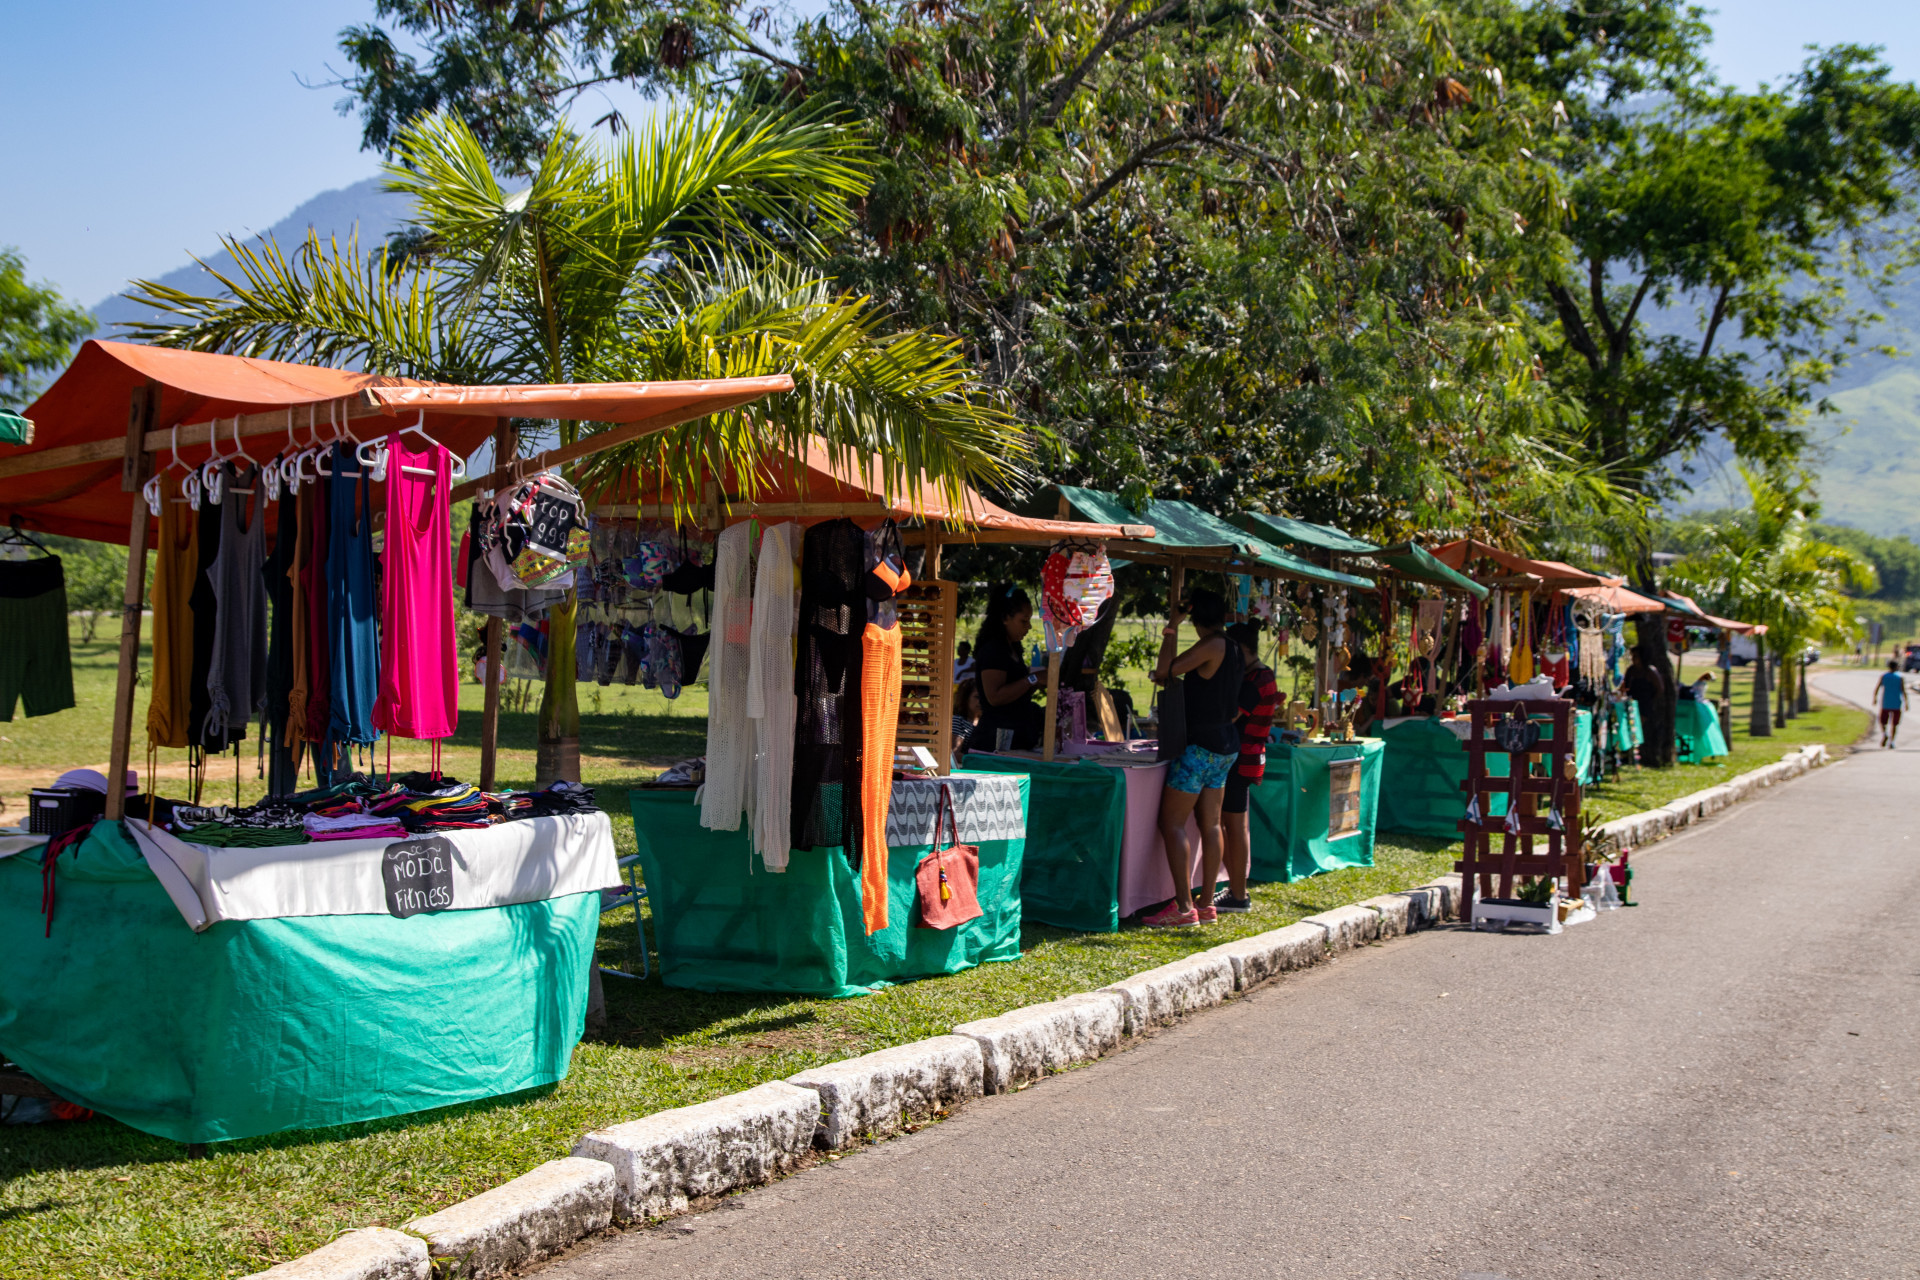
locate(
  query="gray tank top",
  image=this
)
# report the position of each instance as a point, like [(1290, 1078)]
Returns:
[(237, 678)]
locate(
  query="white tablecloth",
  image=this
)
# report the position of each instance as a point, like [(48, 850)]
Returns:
[(529, 860)]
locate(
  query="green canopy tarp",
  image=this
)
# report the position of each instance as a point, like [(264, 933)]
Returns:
[(723, 922), (1289, 532), (257, 1026), (1411, 560), (1181, 526)]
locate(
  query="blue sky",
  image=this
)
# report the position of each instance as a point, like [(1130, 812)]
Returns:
[(138, 133)]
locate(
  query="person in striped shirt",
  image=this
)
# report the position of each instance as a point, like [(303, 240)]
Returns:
[(1259, 695)]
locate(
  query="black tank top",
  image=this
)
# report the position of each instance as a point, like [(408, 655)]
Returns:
[(1212, 703)]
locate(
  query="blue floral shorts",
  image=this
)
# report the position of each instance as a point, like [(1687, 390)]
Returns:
[(1199, 769)]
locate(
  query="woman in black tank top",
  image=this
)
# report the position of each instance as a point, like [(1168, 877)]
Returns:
[(1196, 781)]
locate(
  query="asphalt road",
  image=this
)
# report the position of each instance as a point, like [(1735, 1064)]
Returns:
[(1722, 1082)]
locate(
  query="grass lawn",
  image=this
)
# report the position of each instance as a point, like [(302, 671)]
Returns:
[(101, 1200)]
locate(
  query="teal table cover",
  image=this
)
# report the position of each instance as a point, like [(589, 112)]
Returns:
[(1696, 732), (1076, 827), (723, 922), (258, 1026), (1288, 812)]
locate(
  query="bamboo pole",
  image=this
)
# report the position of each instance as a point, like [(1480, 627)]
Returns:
[(140, 412)]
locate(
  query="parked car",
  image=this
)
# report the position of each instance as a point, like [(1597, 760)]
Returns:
[(1912, 661)]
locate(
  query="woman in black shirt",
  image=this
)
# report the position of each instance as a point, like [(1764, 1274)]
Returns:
[(1006, 684), (1196, 783)]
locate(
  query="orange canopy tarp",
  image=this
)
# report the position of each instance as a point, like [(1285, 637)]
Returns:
[(1553, 574), (1615, 598), (791, 485), (81, 421)]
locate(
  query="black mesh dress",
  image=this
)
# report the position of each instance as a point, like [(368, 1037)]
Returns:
[(826, 685)]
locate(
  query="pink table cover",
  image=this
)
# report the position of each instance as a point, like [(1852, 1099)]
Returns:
[(1143, 859)]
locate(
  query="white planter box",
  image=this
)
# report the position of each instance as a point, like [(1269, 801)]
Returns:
[(1502, 912)]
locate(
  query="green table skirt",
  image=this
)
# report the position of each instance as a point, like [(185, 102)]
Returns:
[(723, 922), (1696, 732), (1076, 827), (1426, 767), (258, 1026), (1287, 813)]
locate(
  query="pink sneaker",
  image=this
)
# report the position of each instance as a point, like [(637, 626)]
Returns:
[(1172, 917), (1208, 915)]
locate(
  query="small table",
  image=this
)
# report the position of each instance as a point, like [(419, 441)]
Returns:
[(1696, 732)]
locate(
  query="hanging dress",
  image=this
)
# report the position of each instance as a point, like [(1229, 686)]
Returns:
[(770, 705), (1521, 669), (880, 677), (826, 680), (314, 585), (237, 672), (205, 628), (418, 689), (176, 564), (284, 748), (729, 737), (353, 633)]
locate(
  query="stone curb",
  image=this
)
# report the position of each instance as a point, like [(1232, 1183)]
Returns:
[(1347, 927), (877, 1094), (1643, 828), (1171, 991), (667, 1159), (1277, 951), (535, 1216), (370, 1253), (1020, 1047)]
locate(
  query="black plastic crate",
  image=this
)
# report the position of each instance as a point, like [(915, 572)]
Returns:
[(54, 811)]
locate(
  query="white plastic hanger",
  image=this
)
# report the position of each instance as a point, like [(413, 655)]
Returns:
[(378, 460), (189, 483), (240, 451), (341, 435)]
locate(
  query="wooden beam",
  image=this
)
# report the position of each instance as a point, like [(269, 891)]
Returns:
[(1050, 730), (142, 406), (153, 439), (601, 441)]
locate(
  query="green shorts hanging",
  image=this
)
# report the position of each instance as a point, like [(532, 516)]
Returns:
[(36, 666)]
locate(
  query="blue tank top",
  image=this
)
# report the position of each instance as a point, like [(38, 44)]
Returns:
[(352, 629)]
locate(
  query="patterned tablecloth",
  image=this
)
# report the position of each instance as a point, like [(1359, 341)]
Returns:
[(986, 805)]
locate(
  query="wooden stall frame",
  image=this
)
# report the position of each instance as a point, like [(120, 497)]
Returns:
[(1564, 855)]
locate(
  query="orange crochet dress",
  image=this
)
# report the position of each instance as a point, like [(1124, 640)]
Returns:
[(879, 726)]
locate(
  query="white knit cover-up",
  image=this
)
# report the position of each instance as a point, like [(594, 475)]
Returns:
[(729, 737), (770, 705)]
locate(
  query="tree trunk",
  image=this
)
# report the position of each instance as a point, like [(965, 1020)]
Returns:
[(1656, 714), (1801, 702), (1759, 723), (1780, 694)]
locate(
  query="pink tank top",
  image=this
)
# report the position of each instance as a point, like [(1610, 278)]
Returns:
[(419, 695)]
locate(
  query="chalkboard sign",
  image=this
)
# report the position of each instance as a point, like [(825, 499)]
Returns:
[(551, 520), (418, 875)]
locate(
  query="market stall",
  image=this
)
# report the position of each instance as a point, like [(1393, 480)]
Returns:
[(1096, 856), (794, 876), (375, 945)]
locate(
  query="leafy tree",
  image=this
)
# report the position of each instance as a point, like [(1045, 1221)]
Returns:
[(38, 330), (674, 254), (1896, 561), (1767, 564), (1270, 254), (96, 580)]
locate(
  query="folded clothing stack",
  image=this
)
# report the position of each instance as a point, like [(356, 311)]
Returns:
[(352, 826), (445, 808)]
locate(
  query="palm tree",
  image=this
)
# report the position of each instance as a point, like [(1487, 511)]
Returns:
[(1766, 565), (682, 251)]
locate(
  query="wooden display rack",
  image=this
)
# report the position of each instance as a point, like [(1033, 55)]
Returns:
[(1563, 855), (928, 619)]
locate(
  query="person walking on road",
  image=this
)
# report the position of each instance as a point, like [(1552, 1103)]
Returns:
[(1892, 699)]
